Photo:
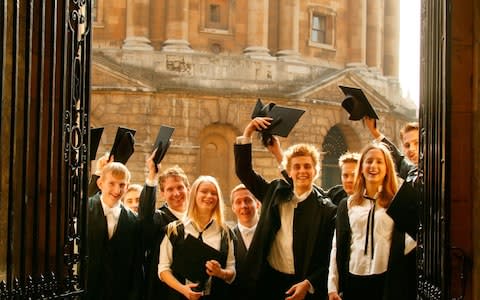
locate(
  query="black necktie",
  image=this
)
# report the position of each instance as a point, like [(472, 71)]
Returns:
[(201, 232)]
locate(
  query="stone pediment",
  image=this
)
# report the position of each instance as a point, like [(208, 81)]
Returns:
[(383, 93), (106, 77)]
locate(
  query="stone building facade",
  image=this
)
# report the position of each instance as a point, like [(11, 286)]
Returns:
[(200, 66)]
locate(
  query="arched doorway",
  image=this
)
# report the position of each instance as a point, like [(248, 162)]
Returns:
[(216, 159)]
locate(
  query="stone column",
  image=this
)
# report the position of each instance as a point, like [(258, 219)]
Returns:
[(257, 29), (375, 34), (177, 27), (138, 23), (357, 32), (391, 41), (288, 24)]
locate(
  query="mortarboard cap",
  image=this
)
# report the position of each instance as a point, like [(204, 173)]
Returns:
[(356, 104), (123, 146), (189, 260), (404, 209), (283, 119), (95, 136), (162, 143)]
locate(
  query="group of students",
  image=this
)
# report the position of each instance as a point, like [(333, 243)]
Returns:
[(293, 240)]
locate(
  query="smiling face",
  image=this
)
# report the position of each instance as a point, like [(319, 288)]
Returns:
[(410, 145), (374, 167), (175, 193), (348, 176), (206, 199), (302, 171), (245, 206), (112, 187)]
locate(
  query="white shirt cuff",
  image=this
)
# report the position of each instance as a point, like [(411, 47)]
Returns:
[(380, 138), (242, 140), (311, 290), (151, 183)]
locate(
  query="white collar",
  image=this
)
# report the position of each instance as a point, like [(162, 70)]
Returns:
[(245, 229), (180, 215), (115, 210), (303, 196)]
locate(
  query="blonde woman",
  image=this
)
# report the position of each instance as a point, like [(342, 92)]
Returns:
[(369, 255), (204, 221)]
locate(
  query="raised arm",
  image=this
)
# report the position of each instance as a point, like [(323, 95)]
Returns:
[(101, 163), (243, 158), (277, 152), (148, 199)]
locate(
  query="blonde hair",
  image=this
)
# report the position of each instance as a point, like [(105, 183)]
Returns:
[(389, 184), (134, 187), (348, 157), (118, 170), (301, 150), (192, 212)]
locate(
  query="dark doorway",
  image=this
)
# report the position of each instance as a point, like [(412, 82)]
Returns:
[(333, 147)]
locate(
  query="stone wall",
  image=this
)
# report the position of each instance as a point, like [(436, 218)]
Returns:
[(206, 127)]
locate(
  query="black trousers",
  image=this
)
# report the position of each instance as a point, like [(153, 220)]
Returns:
[(364, 287), (275, 284)]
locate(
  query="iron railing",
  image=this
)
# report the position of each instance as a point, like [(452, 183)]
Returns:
[(433, 237), (45, 67)]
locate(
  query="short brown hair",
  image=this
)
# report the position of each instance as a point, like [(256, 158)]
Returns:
[(174, 171), (408, 127), (239, 187)]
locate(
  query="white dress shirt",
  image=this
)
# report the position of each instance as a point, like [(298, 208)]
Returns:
[(180, 215), (111, 214), (247, 234), (361, 263), (211, 236), (280, 257)]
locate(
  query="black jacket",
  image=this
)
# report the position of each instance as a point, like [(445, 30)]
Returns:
[(113, 265), (314, 257), (153, 223)]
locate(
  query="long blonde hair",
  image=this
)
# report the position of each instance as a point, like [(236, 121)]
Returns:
[(389, 184), (192, 212)]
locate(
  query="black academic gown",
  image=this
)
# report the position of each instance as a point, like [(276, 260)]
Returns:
[(113, 265), (336, 194), (153, 223), (312, 260)]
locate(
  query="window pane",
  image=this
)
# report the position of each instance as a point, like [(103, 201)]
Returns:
[(315, 22), (215, 13)]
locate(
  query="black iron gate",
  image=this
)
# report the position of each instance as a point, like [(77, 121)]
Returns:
[(45, 70), (433, 239)]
